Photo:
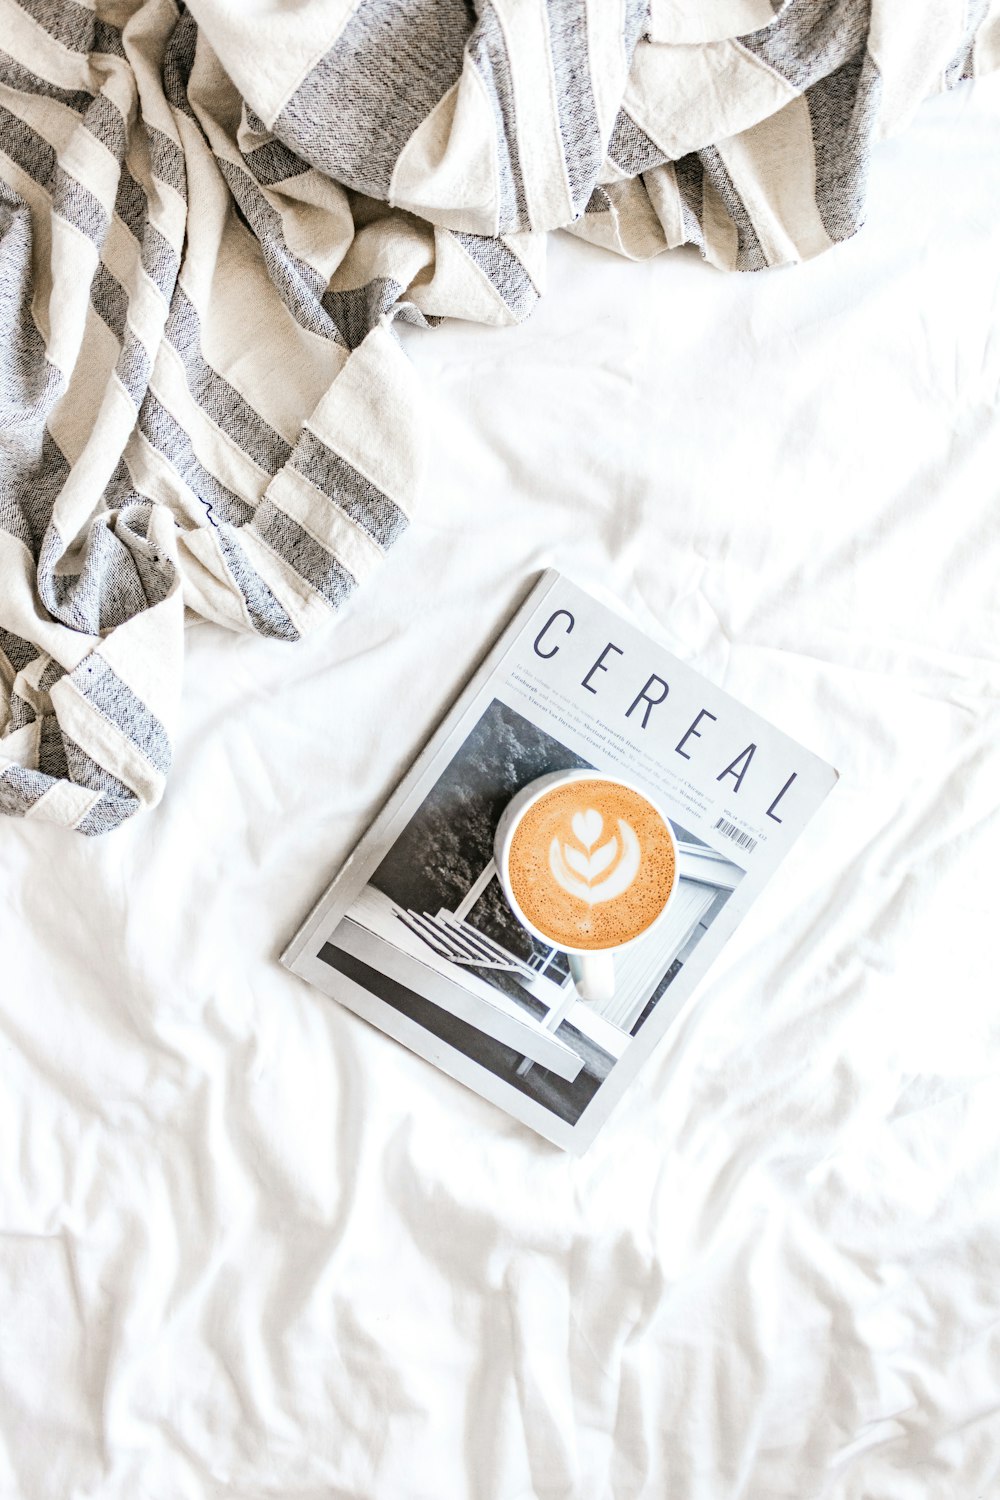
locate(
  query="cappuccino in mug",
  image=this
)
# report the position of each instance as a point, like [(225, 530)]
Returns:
[(591, 864)]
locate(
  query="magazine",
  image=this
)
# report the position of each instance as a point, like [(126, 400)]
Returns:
[(415, 933)]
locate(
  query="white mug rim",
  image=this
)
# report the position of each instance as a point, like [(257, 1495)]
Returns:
[(553, 779)]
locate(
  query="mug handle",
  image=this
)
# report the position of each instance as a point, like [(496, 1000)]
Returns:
[(593, 974)]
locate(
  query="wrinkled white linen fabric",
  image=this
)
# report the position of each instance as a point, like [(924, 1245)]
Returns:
[(251, 1248)]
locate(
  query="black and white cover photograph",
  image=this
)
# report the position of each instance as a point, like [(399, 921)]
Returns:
[(434, 936)]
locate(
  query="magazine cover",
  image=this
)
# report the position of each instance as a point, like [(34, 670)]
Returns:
[(416, 935)]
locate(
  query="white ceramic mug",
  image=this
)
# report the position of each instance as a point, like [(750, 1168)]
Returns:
[(593, 969)]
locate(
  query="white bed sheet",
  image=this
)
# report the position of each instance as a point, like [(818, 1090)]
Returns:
[(252, 1248)]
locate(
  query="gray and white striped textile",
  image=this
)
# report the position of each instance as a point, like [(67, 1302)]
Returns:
[(210, 218)]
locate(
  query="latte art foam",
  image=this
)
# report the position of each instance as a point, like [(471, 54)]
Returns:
[(591, 864)]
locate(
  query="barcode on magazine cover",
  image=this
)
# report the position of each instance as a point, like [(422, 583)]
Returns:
[(745, 840)]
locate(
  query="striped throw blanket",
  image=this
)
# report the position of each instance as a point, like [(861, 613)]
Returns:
[(210, 218)]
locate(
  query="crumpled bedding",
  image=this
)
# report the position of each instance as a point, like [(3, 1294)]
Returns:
[(210, 219), (251, 1248)]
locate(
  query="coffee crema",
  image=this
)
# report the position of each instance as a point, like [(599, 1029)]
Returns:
[(591, 864)]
